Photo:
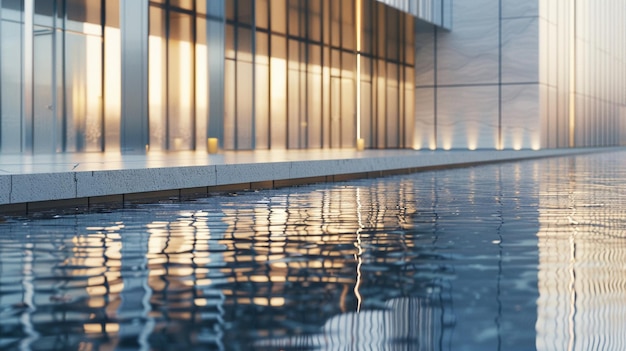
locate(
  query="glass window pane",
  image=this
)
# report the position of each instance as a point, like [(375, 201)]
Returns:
[(83, 92), (230, 105), (10, 86), (244, 44), (245, 11), (245, 105), (44, 104), (180, 82), (262, 98), (84, 16), (261, 13), (335, 23), (278, 20), (44, 13), (156, 78), (184, 4), (294, 17), (12, 9), (230, 41), (278, 84), (202, 84), (230, 10), (347, 28)]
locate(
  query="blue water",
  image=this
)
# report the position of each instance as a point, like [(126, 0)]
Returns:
[(514, 256)]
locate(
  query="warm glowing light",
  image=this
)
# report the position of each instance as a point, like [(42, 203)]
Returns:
[(156, 92), (278, 69), (274, 301), (91, 328)]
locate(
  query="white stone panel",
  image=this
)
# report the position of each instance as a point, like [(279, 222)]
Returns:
[(424, 135), (521, 117), (468, 54), (520, 50), (467, 117), (474, 10), (425, 57), (518, 8)]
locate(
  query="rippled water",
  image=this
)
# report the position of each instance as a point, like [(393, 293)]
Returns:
[(515, 256)]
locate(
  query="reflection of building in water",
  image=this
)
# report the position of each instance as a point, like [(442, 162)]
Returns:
[(335, 262), (289, 266), (581, 257), (401, 324)]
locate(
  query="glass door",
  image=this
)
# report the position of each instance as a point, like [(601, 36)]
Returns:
[(44, 92)]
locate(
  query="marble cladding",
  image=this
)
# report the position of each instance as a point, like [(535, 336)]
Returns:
[(424, 128), (474, 11), (520, 50), (521, 117), (468, 54), (425, 65), (517, 8), (467, 117), (513, 52)]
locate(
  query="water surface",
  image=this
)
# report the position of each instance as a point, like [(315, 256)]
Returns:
[(513, 256)]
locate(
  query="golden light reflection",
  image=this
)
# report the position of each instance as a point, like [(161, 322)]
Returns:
[(91, 328), (274, 301)]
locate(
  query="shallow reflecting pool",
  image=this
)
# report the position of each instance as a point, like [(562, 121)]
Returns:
[(513, 256)]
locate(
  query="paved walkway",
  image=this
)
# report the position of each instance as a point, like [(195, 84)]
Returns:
[(30, 182)]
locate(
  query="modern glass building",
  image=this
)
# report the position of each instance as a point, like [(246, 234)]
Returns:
[(140, 76)]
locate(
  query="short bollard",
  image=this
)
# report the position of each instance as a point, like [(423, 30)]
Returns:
[(360, 144), (212, 145)]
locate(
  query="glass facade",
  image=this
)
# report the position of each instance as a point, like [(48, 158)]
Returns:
[(257, 74)]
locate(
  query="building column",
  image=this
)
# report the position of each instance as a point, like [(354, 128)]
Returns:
[(216, 34), (134, 84)]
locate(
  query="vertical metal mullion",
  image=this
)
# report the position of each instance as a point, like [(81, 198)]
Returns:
[(1, 76), (166, 79), (194, 39), (253, 133), (307, 57), (236, 45), (287, 92), (55, 47), (270, 35), (27, 117), (102, 77)]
